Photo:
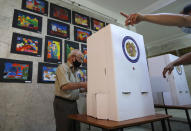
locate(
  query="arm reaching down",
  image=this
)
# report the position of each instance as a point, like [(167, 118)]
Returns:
[(183, 60)]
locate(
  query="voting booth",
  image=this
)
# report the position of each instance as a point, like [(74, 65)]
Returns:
[(172, 90), (118, 79)]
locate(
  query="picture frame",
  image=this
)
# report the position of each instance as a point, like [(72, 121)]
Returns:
[(60, 13), (80, 19), (26, 45), (97, 24), (81, 34), (46, 72), (58, 29), (82, 74), (15, 71), (84, 52), (27, 21), (37, 6), (53, 50), (69, 46)]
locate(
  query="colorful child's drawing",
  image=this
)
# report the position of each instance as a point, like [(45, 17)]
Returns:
[(96, 24), (49, 73), (60, 13), (46, 72), (53, 50), (81, 34), (15, 71), (69, 46), (58, 29), (68, 49), (80, 19), (84, 51), (27, 21), (27, 45), (82, 74), (37, 6)]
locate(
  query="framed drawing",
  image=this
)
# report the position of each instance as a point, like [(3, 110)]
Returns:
[(58, 29), (26, 21), (84, 51), (96, 24), (80, 19), (46, 72), (26, 45), (53, 50), (60, 13), (82, 74), (15, 71), (81, 34), (37, 6), (69, 46)]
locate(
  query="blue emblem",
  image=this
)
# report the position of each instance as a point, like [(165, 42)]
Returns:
[(130, 49)]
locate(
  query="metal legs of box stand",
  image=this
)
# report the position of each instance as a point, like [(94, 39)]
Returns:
[(163, 125), (152, 126), (168, 120), (188, 118)]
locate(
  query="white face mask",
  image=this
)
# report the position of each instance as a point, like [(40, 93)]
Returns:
[(186, 30)]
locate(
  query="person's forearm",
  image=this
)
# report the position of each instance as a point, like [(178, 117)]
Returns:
[(168, 19), (72, 86), (183, 60)]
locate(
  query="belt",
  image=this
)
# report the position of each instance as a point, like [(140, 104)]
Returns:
[(61, 98)]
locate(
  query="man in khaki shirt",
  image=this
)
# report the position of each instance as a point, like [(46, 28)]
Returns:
[(67, 89)]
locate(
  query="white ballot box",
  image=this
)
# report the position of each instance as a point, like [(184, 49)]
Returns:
[(174, 87), (118, 79)]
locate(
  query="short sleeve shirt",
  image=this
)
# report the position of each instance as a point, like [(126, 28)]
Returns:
[(65, 75)]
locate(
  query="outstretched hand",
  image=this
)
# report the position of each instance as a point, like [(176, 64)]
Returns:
[(169, 68), (132, 18)]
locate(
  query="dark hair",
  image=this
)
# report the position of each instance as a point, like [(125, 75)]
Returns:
[(187, 9)]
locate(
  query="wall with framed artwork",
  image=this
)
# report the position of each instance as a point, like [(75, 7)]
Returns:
[(35, 37)]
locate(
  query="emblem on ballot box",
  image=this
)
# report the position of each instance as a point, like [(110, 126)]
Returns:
[(179, 70), (130, 49)]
